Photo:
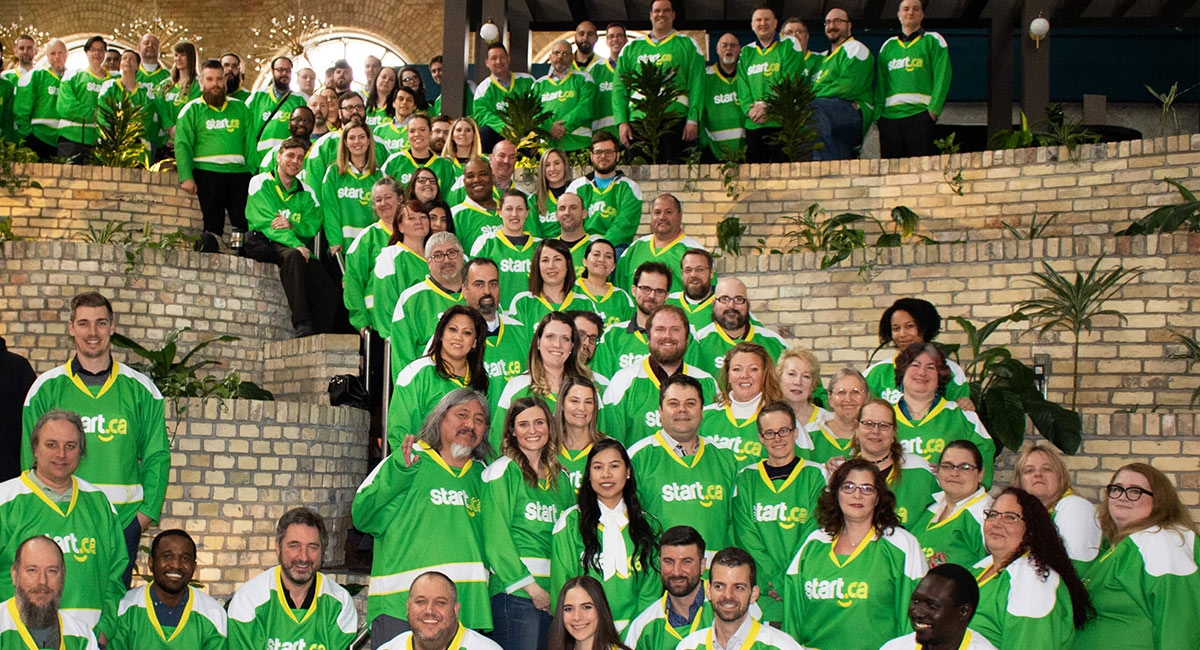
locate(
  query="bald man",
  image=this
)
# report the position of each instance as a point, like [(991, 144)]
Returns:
[(433, 609), (730, 325), (38, 575), (721, 129), (569, 95), (35, 108)]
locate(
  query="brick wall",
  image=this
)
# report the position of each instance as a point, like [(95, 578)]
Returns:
[(236, 470), (299, 369), (213, 294)]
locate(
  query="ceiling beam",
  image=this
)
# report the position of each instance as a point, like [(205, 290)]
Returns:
[(974, 9), (1174, 9), (1072, 9), (1123, 8), (579, 12)]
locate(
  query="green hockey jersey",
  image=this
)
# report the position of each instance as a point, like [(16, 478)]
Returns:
[(507, 351), (530, 309), (912, 77), (89, 534), (514, 261), (74, 633), (881, 381), (346, 204), (413, 512), (825, 444), (630, 410), (944, 423), (171, 99), (574, 463), (650, 629), (202, 626), (643, 250), (602, 72), (677, 51), (757, 637), (1079, 527), (621, 346), (260, 616), (401, 167), (262, 105), (914, 485), (464, 639), (613, 212), (711, 344), (77, 97), (418, 389), (491, 99), (543, 224), (572, 101), (418, 310), (848, 72), (8, 124), (151, 82), (396, 268), (1019, 608), (770, 519), (735, 429), (323, 153), (578, 252), (518, 520), (472, 221), (760, 69), (694, 490), (971, 640), (357, 291), (614, 305), (957, 539), (128, 455), (213, 138), (35, 105), (268, 199), (394, 138), (699, 313), (721, 116), (852, 602)]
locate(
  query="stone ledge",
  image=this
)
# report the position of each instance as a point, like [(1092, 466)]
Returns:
[(300, 369)]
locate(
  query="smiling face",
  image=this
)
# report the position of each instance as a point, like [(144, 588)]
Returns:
[(856, 506), (555, 170), (425, 185), (513, 212), (921, 378), (498, 63), (553, 267), (796, 380), (662, 16), (438, 133), (696, 276), (876, 430), (385, 202), (681, 411), (173, 563), (418, 136), (299, 554), (745, 373), (92, 328), (438, 220), (763, 22), (935, 618), (27, 50), (481, 291), (57, 454), (458, 338), (608, 474), (477, 180), (732, 592), (650, 292), (531, 429), (463, 427), (1125, 512), (301, 122), (96, 53), (904, 330), (847, 396), (667, 338), (579, 405), (290, 162), (910, 14), (837, 26), (958, 484), (432, 612), (783, 444), (463, 135), (38, 579), (726, 310), (569, 213), (404, 105), (616, 39), (579, 614), (681, 568), (589, 335), (600, 261), (1001, 537), (554, 345), (665, 219), (1039, 477), (357, 139)]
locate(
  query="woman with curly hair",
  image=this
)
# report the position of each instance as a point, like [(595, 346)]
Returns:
[(849, 585), (909, 477), (908, 321), (1145, 585), (1029, 595), (1041, 472), (608, 536), (583, 620), (747, 381)]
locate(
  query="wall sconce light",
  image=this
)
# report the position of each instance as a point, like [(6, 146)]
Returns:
[(1038, 29), (489, 32)]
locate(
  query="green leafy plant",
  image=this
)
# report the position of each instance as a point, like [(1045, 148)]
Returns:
[(1013, 138), (730, 232), (653, 90), (1169, 218), (6, 231), (1054, 131), (840, 235), (1071, 305), (1167, 101), (904, 225), (730, 168), (119, 143), (112, 232), (135, 243), (1005, 393), (13, 163), (789, 104), (1191, 353), (1034, 231), (948, 147), (524, 118)]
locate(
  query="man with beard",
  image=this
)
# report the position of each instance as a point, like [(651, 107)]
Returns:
[(508, 339), (293, 604), (733, 594), (231, 65), (300, 127), (721, 127), (271, 107), (35, 105), (730, 325), (844, 89), (585, 46), (666, 242), (569, 95), (683, 478), (439, 131), (590, 326), (26, 51), (420, 306), (350, 106), (433, 611), (630, 410), (612, 201), (477, 214), (422, 505), (38, 573), (696, 299), (683, 607), (940, 609), (161, 605), (624, 343), (214, 146), (320, 109)]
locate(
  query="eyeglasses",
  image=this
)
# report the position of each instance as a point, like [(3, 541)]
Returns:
[(867, 489), (962, 467), (287, 70), (786, 432), (408, 79), (842, 392), (657, 292), (604, 152), (878, 426), (426, 180), (443, 256), (1132, 493), (834, 21), (736, 300), (1007, 517), (589, 338)]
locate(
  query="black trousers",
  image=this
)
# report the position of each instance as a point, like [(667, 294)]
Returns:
[(311, 293), (488, 137), (670, 147), (906, 136), (221, 193), (44, 150), (759, 149), (76, 152)]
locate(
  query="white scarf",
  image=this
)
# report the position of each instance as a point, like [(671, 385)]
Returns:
[(614, 555)]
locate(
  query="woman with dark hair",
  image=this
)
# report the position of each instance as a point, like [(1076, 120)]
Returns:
[(951, 528), (379, 100), (613, 304), (424, 186), (849, 585), (577, 414), (583, 620), (526, 479), (511, 247), (410, 77), (551, 285), (908, 321), (182, 88), (553, 176), (1029, 595), (454, 360), (402, 263), (363, 251), (1145, 585), (393, 133), (1041, 472), (607, 535), (440, 218), (346, 184), (747, 381), (928, 421), (909, 477)]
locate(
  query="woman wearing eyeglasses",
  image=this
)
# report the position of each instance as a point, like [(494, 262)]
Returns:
[(849, 585), (551, 285), (927, 420), (1144, 585), (747, 381), (834, 433), (1040, 472), (951, 529), (909, 477), (774, 504), (1029, 595)]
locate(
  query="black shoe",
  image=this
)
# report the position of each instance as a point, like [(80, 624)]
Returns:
[(304, 329)]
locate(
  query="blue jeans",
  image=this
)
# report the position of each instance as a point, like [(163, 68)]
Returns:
[(517, 624), (839, 128)]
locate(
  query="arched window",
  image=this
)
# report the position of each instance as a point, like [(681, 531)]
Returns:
[(323, 50), (601, 49)]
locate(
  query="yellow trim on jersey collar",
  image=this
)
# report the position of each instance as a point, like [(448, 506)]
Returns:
[(836, 49), (112, 377), (867, 539), (541, 297), (834, 441), (749, 337), (187, 611), (762, 472), (659, 251), (455, 643), (910, 43), (666, 620), (812, 417), (499, 336), (550, 77), (774, 42), (651, 43), (751, 637), (23, 631), (980, 493), (436, 289), (566, 453), (583, 287), (437, 458), (966, 642), (283, 601), (750, 420), (512, 82), (586, 239), (937, 408), (219, 110), (507, 242), (401, 244), (695, 457), (470, 204), (723, 78), (687, 306), (25, 478)]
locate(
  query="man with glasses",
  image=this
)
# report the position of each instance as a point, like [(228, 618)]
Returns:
[(666, 242), (730, 325), (78, 96), (271, 108), (420, 306), (232, 66), (613, 202), (696, 297), (624, 344), (843, 85), (300, 126)]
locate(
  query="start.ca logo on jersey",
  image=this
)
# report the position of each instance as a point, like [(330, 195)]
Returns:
[(653, 420), (230, 124), (786, 516), (104, 428), (705, 494), (923, 447), (356, 193), (892, 395), (765, 69), (725, 98), (630, 358), (603, 210), (541, 512), (908, 64), (662, 58), (94, 87), (79, 548), (280, 644), (742, 449), (506, 369), (561, 95), (605, 86), (444, 497), (844, 593), (515, 266)]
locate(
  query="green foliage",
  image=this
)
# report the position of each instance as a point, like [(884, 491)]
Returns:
[(120, 143), (1071, 305), (1169, 218), (730, 232), (134, 243), (949, 147), (1167, 101), (1005, 393), (13, 162), (6, 231), (1191, 352), (837, 237), (1035, 231), (523, 117), (1054, 131), (112, 232), (789, 103), (653, 90), (1013, 138), (730, 166)]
